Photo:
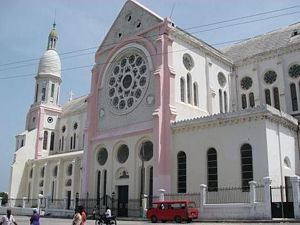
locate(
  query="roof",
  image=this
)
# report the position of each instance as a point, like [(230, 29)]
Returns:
[(270, 41), (76, 105)]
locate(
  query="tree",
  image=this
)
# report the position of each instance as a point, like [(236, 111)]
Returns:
[(4, 197)]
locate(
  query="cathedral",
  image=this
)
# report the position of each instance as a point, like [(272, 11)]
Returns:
[(165, 111)]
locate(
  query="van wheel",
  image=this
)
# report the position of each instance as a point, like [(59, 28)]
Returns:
[(153, 219), (189, 220), (163, 221), (177, 219)]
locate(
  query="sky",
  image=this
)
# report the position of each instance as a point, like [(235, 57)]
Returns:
[(82, 24)]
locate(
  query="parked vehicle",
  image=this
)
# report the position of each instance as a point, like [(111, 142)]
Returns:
[(102, 219), (181, 210)]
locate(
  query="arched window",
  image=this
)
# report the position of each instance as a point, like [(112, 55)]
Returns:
[(276, 98), (244, 101), (212, 170), (225, 102), (98, 187), (294, 97), (45, 141), (62, 143), (268, 97), (52, 141), (189, 87), (182, 89), (181, 172), (71, 143), (104, 186), (196, 94), (251, 100), (247, 166), (74, 140), (220, 101)]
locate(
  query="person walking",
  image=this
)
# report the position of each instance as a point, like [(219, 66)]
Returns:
[(77, 217), (35, 218), (8, 219), (83, 215)]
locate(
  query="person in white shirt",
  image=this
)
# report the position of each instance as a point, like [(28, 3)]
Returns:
[(108, 212), (8, 219)]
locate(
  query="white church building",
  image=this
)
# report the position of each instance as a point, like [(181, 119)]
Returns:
[(165, 111)]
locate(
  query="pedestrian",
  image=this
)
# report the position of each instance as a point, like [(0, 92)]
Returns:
[(83, 215), (77, 217), (8, 219), (35, 218)]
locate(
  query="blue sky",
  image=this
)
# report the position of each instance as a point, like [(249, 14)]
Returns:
[(25, 26)]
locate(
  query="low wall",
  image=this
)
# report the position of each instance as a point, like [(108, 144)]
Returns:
[(17, 211), (233, 211)]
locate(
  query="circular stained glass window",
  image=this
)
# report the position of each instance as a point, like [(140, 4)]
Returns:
[(102, 156), (246, 83), (294, 71), (123, 153), (270, 77), (146, 151), (127, 81), (63, 129), (221, 79)]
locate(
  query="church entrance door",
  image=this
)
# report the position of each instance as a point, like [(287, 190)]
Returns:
[(123, 201)]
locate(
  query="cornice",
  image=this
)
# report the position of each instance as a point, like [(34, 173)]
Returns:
[(263, 112)]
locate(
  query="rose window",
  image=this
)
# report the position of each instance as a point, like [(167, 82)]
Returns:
[(294, 71), (127, 82), (246, 83), (270, 77), (221, 79)]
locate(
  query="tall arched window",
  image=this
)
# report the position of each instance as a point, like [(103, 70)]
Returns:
[(244, 101), (71, 143), (247, 166), (251, 100), (225, 102), (104, 186), (74, 140), (98, 187), (189, 87), (196, 94), (294, 97), (52, 141), (62, 143), (268, 97), (212, 170), (181, 172), (276, 98), (45, 141), (182, 89), (220, 101)]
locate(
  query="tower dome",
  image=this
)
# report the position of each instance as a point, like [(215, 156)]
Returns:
[(50, 63)]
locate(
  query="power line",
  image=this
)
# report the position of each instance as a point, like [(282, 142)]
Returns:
[(91, 65), (189, 28)]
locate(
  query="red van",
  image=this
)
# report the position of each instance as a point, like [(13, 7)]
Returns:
[(181, 210)]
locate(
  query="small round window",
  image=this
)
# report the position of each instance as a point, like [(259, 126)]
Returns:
[(102, 156), (68, 183), (123, 153), (75, 126), (270, 77), (294, 71), (63, 129), (246, 83), (146, 151), (70, 170), (188, 61), (221, 79)]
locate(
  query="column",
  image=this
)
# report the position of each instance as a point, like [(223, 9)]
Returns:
[(203, 189), (252, 192), (162, 194), (295, 180), (267, 200), (0, 201), (23, 202)]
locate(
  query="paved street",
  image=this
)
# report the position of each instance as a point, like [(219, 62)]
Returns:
[(22, 220)]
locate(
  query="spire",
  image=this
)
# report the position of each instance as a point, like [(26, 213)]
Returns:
[(53, 37)]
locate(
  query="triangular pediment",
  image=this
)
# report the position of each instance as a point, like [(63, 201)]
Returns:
[(133, 19)]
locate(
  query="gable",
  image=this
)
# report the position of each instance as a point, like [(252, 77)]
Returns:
[(132, 19)]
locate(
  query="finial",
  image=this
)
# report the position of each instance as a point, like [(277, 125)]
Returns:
[(54, 24)]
